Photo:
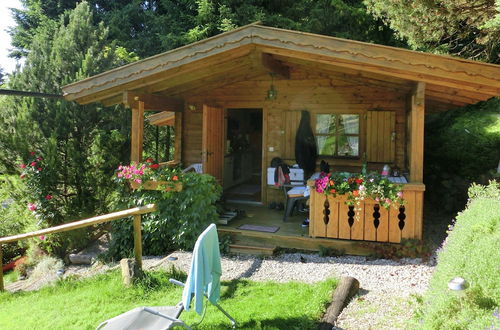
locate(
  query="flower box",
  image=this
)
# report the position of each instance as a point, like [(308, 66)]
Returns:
[(157, 185)]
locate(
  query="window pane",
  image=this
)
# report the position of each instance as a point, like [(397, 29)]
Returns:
[(325, 124), (326, 145), (349, 124), (348, 146)]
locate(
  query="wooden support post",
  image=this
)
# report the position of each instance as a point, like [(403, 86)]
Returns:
[(138, 241), (137, 133), (1, 269), (417, 132)]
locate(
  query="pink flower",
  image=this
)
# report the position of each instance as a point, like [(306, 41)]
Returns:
[(39, 169), (388, 201), (138, 180), (48, 197), (32, 153), (31, 207), (120, 174), (22, 166), (362, 188), (22, 176), (42, 237), (40, 158), (377, 199), (33, 164), (400, 194)]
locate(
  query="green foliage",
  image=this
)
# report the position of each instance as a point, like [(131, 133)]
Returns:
[(471, 251), (78, 146), (449, 169), (468, 29), (151, 27), (180, 219), (224, 243), (15, 218), (407, 248)]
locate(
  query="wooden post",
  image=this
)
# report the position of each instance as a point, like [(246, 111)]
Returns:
[(138, 241), (417, 132), (137, 133), (1, 269)]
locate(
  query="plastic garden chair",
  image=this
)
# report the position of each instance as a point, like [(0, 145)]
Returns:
[(203, 281)]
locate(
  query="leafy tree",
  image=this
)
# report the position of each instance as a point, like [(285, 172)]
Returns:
[(151, 27), (466, 28), (75, 148)]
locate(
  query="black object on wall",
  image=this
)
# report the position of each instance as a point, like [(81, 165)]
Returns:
[(305, 145)]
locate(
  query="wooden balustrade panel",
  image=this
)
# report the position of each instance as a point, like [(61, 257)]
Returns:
[(394, 231), (408, 230), (344, 222), (344, 210), (358, 226), (317, 226), (332, 228)]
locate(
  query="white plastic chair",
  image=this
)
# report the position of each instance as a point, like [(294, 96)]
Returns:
[(197, 167)]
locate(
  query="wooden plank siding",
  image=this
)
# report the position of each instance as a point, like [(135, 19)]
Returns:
[(305, 90)]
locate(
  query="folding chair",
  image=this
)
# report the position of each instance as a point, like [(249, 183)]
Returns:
[(197, 167), (203, 281)]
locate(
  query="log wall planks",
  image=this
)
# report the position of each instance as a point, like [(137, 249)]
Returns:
[(317, 92)]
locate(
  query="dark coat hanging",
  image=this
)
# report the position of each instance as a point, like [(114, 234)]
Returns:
[(305, 145)]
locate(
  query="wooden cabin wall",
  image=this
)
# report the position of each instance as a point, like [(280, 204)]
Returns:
[(312, 91)]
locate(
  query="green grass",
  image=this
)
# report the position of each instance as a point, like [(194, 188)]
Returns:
[(83, 304), (472, 252), (10, 276)]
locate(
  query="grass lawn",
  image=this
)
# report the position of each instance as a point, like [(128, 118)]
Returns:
[(83, 304)]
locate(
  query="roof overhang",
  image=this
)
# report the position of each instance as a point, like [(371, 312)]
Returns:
[(253, 49)]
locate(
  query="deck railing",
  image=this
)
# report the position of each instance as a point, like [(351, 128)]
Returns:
[(135, 212)]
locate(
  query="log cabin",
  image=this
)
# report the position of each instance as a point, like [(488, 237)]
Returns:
[(235, 102)]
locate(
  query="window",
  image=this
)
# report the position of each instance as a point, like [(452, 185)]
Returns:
[(337, 135)]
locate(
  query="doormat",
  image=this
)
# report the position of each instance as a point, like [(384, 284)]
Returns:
[(265, 229)]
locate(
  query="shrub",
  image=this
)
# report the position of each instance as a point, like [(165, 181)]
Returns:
[(180, 219), (461, 146), (15, 218), (471, 251)]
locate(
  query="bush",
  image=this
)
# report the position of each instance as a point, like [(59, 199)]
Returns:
[(471, 251), (461, 146), (180, 219), (15, 218)]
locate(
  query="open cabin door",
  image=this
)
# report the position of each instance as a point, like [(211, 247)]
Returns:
[(212, 152)]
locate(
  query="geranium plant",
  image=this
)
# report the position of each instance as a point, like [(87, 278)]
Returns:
[(357, 187), (141, 173)]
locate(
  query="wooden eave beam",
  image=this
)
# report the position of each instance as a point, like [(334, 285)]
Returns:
[(164, 118), (153, 102), (275, 66)]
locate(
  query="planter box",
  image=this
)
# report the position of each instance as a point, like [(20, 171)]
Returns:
[(157, 185)]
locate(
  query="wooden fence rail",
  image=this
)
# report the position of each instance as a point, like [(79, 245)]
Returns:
[(135, 212)]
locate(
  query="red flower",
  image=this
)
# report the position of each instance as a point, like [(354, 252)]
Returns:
[(22, 176), (359, 181), (355, 193), (32, 153), (40, 158), (175, 178), (154, 166), (149, 160), (22, 166), (33, 164), (332, 191), (39, 169), (48, 197)]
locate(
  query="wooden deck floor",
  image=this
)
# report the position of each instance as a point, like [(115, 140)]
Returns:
[(290, 234)]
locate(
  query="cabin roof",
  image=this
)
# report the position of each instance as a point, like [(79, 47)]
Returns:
[(254, 49)]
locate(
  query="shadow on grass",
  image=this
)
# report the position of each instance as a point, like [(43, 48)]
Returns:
[(276, 323)]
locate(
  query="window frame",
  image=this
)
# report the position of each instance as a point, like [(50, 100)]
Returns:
[(337, 134)]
